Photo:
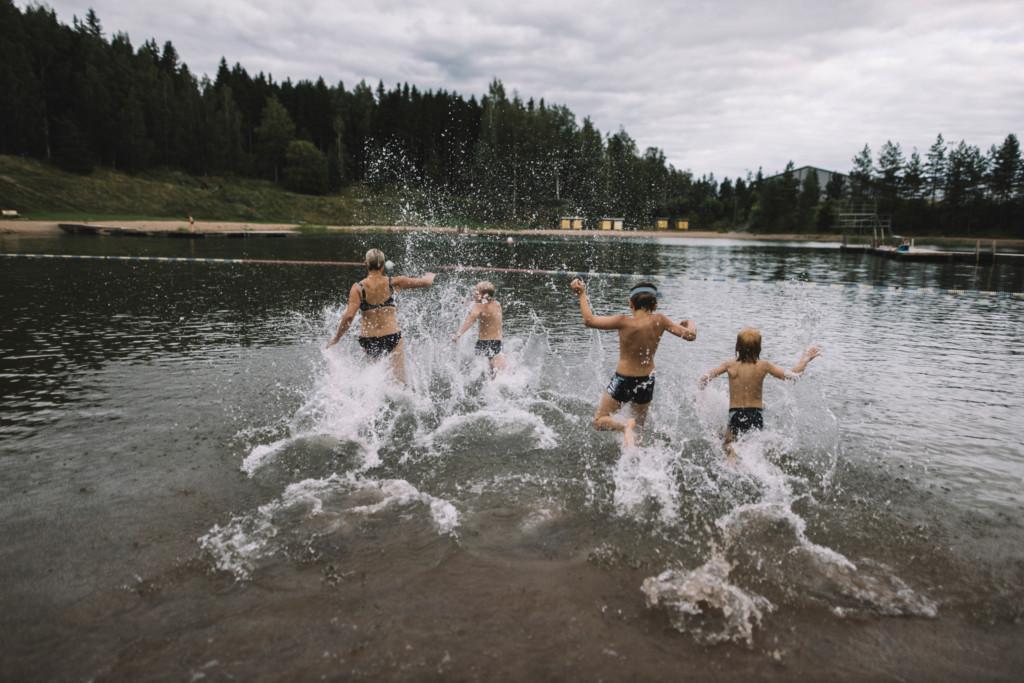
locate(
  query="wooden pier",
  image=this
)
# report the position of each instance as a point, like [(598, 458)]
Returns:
[(978, 257)]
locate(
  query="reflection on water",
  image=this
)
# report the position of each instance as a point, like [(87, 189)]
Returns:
[(187, 423)]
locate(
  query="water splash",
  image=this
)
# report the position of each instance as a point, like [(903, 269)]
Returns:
[(705, 604), (320, 506)]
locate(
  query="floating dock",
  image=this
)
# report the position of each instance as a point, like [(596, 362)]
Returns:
[(117, 231), (978, 256)]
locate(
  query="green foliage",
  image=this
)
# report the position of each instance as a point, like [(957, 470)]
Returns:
[(305, 168), (862, 173), (273, 136)]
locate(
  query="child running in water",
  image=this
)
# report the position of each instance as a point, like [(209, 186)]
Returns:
[(746, 381), (639, 334), (487, 312)]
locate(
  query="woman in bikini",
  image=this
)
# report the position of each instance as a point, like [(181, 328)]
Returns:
[(374, 296)]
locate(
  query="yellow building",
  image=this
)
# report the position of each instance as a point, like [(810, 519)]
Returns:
[(570, 223), (682, 224), (612, 223), (661, 223)]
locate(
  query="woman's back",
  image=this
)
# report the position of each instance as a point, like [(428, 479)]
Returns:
[(377, 305)]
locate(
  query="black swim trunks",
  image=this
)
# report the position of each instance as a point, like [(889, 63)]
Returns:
[(744, 419), (638, 390), (378, 347), (488, 347)]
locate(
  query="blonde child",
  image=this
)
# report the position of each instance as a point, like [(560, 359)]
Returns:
[(486, 312), (746, 381)]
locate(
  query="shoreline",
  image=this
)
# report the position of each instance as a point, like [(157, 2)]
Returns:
[(27, 227)]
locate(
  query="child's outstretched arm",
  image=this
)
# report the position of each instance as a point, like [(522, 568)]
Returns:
[(687, 329), (474, 313), (794, 373), (810, 354), (401, 282), (711, 374), (348, 316), (599, 322)]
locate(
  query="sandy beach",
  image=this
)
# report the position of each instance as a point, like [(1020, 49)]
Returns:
[(32, 227), (37, 227)]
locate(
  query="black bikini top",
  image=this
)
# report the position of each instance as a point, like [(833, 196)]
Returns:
[(366, 306)]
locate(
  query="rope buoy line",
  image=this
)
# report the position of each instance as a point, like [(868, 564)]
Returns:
[(497, 269)]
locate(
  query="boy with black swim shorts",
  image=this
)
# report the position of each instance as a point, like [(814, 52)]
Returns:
[(639, 334), (746, 381), (486, 311)]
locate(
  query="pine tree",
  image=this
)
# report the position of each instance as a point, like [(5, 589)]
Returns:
[(1006, 168), (890, 165), (862, 173), (913, 177), (936, 167)]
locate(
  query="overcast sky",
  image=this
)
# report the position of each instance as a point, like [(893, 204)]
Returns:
[(721, 87)]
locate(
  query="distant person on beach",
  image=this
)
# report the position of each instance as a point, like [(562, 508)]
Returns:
[(639, 334), (746, 381), (486, 311), (374, 297)]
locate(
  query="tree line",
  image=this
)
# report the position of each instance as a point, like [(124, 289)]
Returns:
[(78, 99)]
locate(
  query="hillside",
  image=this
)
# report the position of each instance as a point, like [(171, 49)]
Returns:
[(38, 190)]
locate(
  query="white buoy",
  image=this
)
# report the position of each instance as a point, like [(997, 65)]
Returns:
[(389, 265)]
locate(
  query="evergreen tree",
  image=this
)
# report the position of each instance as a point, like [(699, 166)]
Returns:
[(275, 132), (890, 165), (835, 187), (935, 167), (913, 177), (1006, 168), (862, 174)]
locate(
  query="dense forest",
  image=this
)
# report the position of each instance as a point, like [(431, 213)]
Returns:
[(74, 97)]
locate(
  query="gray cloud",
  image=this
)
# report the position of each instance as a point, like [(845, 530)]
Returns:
[(720, 86)]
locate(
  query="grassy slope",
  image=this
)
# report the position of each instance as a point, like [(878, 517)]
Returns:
[(40, 191)]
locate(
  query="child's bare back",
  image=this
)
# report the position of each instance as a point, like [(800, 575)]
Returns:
[(746, 383), (639, 335), (487, 315), (489, 320)]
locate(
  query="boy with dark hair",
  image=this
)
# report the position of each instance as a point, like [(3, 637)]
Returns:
[(639, 334), (746, 382)]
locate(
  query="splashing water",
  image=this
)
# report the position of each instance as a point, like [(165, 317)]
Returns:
[(430, 448)]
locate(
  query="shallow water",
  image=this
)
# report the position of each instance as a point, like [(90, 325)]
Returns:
[(195, 488)]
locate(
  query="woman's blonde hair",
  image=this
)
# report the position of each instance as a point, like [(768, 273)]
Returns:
[(375, 259), (748, 345), (486, 290)]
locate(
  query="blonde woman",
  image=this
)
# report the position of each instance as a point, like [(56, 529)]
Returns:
[(374, 297)]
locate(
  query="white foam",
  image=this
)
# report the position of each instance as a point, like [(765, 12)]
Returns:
[(646, 474), (705, 604), (238, 546)]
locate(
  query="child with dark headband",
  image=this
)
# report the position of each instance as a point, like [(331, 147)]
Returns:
[(639, 334)]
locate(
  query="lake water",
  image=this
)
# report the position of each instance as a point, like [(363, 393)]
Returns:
[(193, 488)]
